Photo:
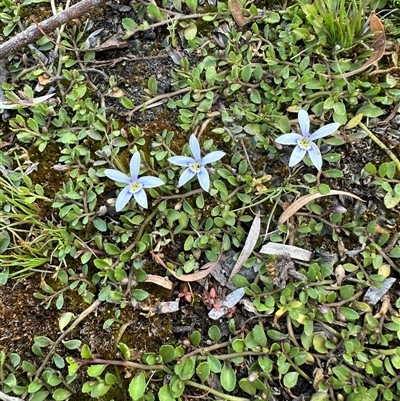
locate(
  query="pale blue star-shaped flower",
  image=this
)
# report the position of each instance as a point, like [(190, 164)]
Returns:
[(304, 142), (195, 165), (134, 186)]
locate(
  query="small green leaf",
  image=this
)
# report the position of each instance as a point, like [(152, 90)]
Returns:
[(39, 396), (96, 370), (195, 338), (324, 189), (154, 11), (167, 353), (349, 313), (203, 371), (137, 386), (259, 335), (42, 341), (34, 387), (152, 85), (61, 394), (391, 199), (165, 394), (276, 335), (191, 31), (290, 379), (248, 386), (215, 364), (140, 295), (214, 333), (100, 224), (228, 377), (395, 252), (127, 103), (125, 351), (72, 344), (4, 240), (370, 110), (65, 319), (246, 73), (185, 370), (192, 4), (319, 341), (85, 352), (112, 249), (129, 24)]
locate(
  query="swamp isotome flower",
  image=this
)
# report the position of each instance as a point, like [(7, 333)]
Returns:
[(304, 142), (134, 185), (195, 165)]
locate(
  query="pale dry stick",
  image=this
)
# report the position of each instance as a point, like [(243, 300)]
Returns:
[(33, 33), (219, 394), (112, 62), (131, 365), (82, 316), (168, 21), (156, 99), (167, 96), (180, 196), (6, 397)]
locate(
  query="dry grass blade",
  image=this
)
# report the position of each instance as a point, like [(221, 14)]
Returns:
[(161, 281), (294, 252), (299, 203), (206, 269), (248, 246)]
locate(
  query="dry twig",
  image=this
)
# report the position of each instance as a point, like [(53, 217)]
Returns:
[(35, 32)]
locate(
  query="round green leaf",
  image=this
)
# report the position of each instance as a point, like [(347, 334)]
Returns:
[(290, 379), (167, 353), (164, 394), (61, 394)]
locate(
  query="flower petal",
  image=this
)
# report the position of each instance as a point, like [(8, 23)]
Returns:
[(150, 182), (289, 139), (195, 147), (204, 178), (212, 157), (297, 156), (186, 176), (117, 176), (183, 161), (134, 166), (324, 131), (141, 198), (315, 156), (123, 198), (304, 122)]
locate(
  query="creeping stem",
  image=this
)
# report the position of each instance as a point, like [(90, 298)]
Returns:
[(381, 145)]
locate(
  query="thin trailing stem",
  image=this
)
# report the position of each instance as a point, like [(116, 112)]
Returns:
[(381, 145), (215, 392), (295, 367), (82, 316)]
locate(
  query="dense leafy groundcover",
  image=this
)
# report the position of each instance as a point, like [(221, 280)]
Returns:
[(121, 167)]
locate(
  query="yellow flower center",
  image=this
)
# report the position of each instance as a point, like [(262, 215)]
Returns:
[(304, 143), (195, 167), (135, 187)]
